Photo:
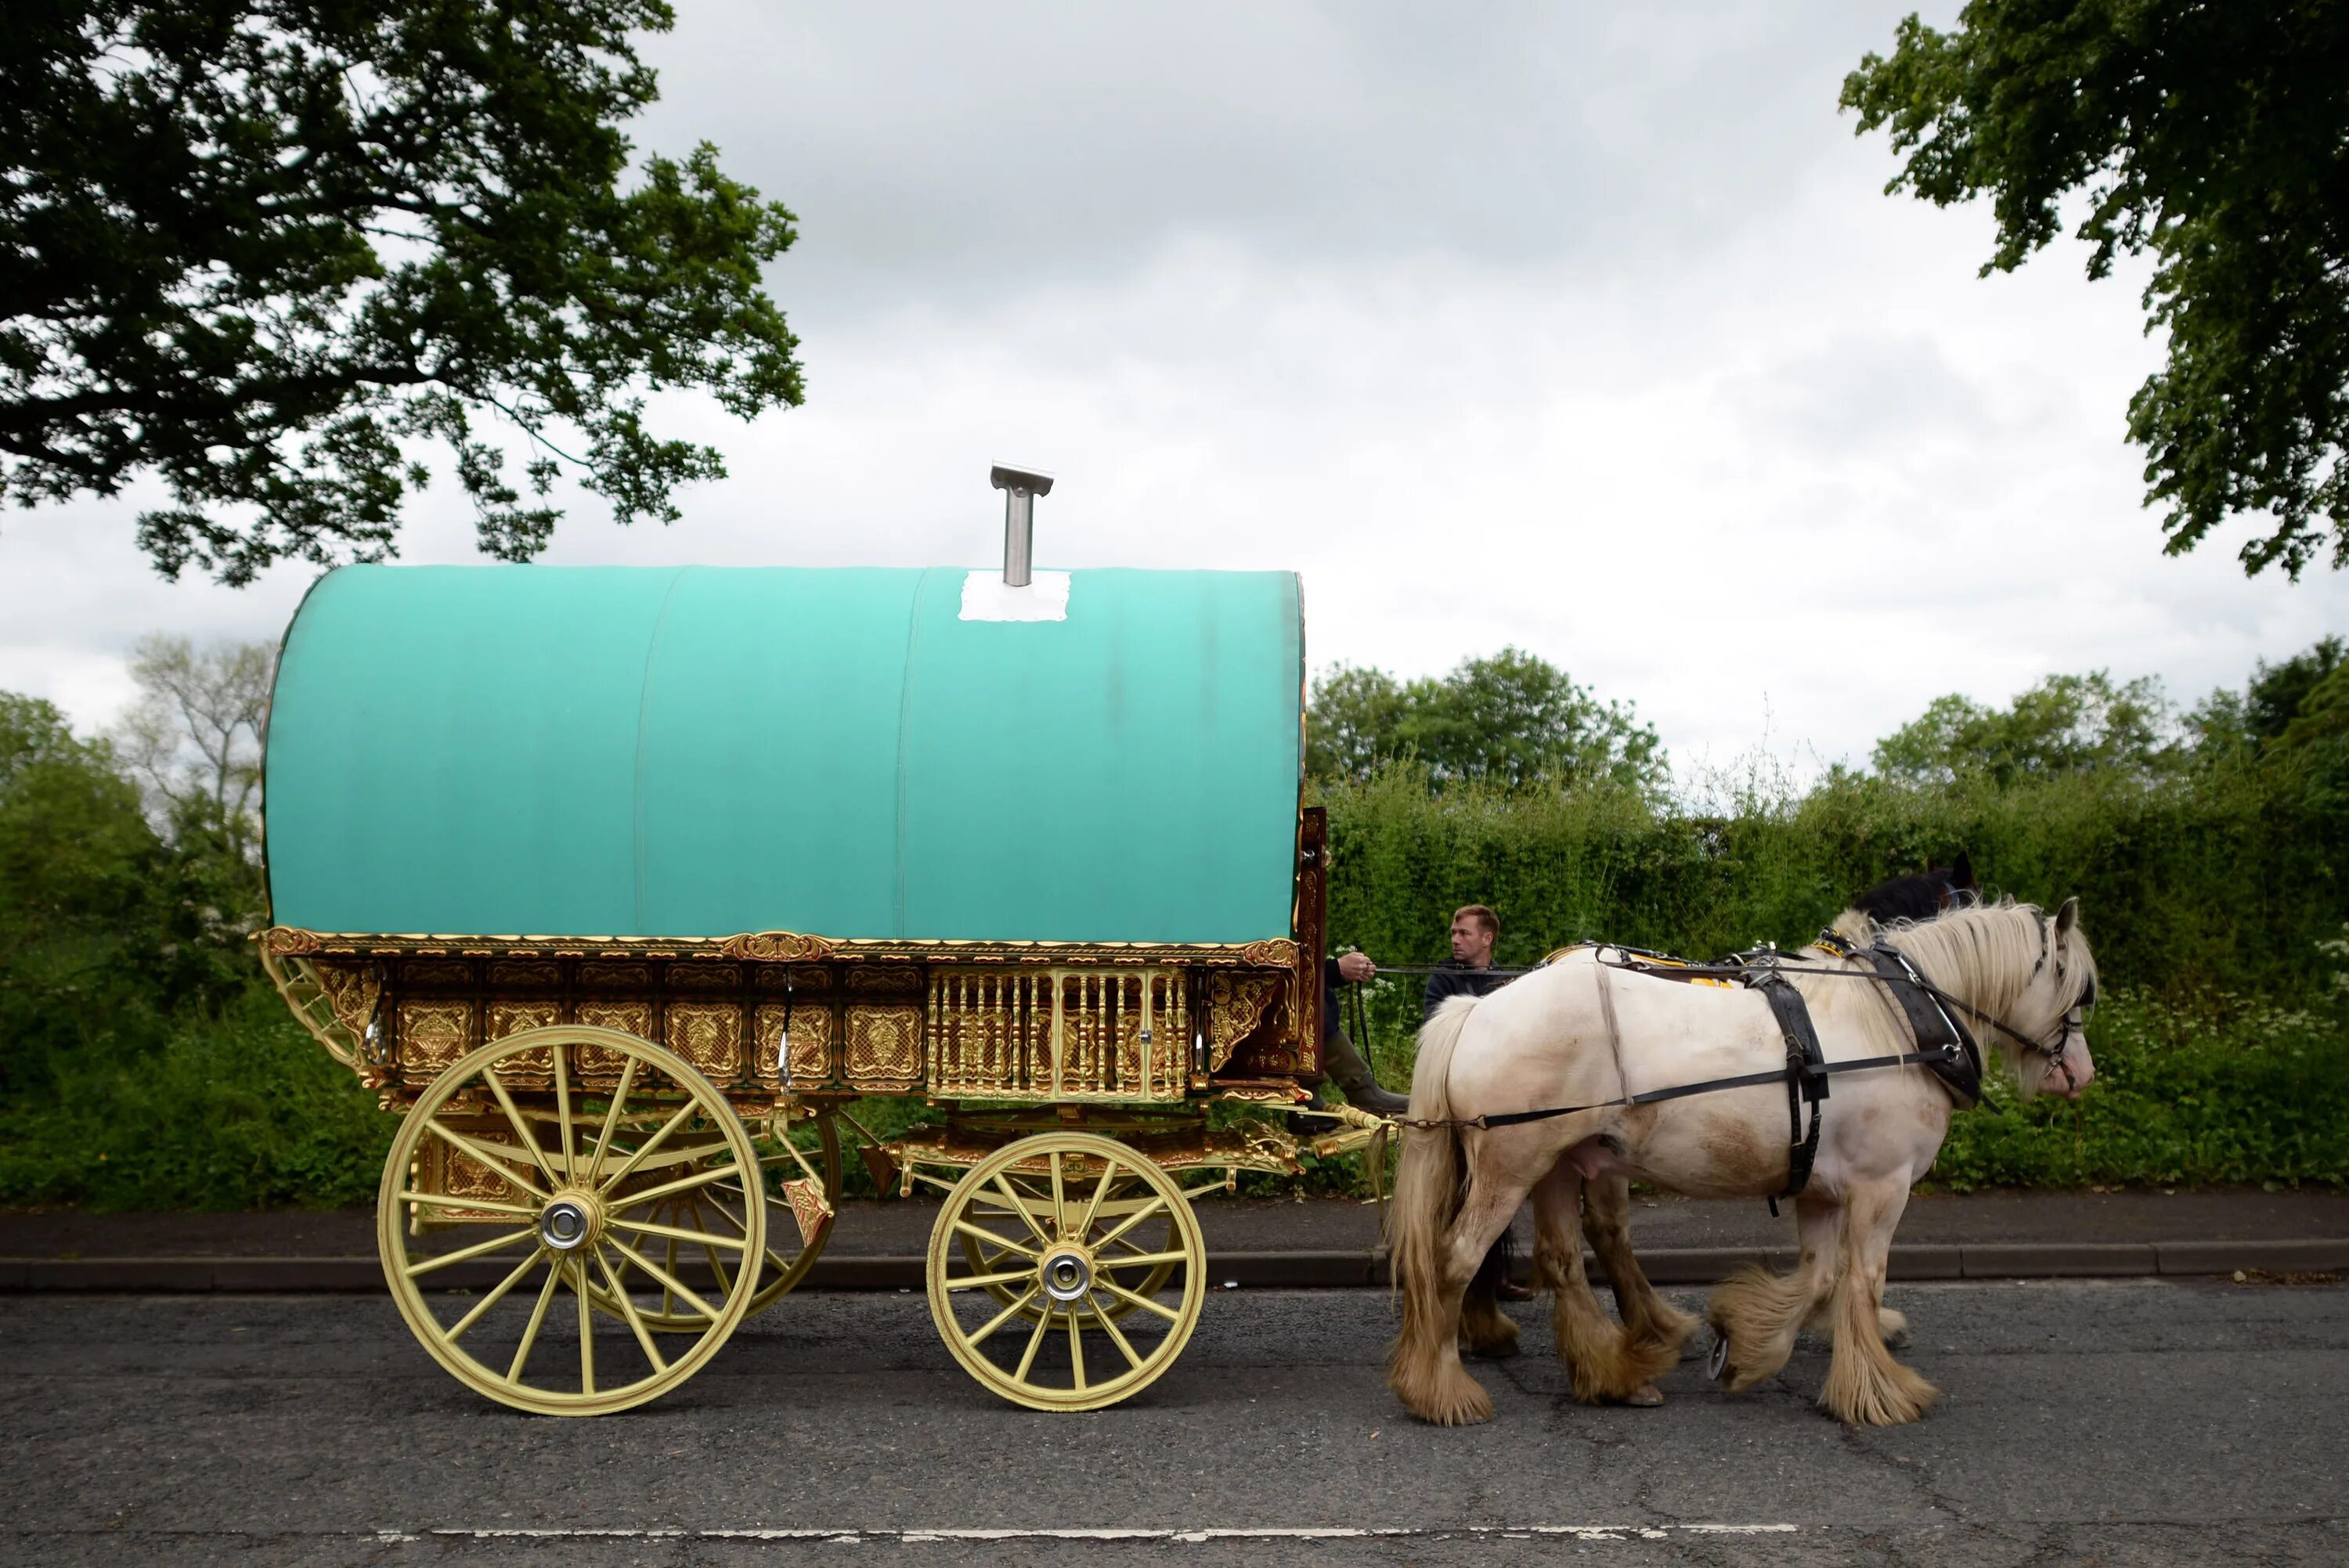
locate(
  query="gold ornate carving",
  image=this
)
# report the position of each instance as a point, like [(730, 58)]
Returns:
[(512, 1017), (990, 1031), (884, 1045), (606, 976), (884, 978), (1236, 1004), (433, 1034), (354, 991), (792, 977), (811, 1042), (776, 946), (288, 942), (628, 1018), (436, 972), (706, 1034), (705, 978), (1061, 1033), (1274, 953), (529, 974)]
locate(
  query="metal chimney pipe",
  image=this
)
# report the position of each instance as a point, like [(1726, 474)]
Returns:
[(1020, 486)]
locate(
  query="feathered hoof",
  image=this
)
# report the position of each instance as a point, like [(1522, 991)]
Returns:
[(1893, 1327), (1645, 1396), (1490, 1334), (1448, 1397), (1892, 1396), (1615, 1373)]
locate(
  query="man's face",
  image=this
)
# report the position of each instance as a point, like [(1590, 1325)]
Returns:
[(1471, 943)]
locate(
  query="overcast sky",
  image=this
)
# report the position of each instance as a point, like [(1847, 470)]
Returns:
[(1584, 329)]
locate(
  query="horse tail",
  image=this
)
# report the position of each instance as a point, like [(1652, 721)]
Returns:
[(1424, 1366)]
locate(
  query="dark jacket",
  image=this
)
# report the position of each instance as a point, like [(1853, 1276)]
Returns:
[(1453, 978)]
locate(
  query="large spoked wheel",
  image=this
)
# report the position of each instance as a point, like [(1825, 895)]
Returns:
[(582, 1168), (802, 1196), (1082, 1233)]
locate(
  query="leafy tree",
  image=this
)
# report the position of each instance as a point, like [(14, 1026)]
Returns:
[(2065, 724), (79, 938), (2214, 135), (1510, 717), (269, 250)]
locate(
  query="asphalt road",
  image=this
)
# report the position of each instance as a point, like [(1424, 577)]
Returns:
[(2120, 1422)]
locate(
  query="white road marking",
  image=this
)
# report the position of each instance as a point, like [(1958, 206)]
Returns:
[(1119, 1533)]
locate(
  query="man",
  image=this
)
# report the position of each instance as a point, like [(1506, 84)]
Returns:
[(1469, 973), (1339, 1055)]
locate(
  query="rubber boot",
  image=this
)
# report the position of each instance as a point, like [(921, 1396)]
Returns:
[(1345, 1064)]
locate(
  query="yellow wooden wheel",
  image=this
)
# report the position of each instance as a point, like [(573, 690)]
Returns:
[(1076, 1225), (591, 1129), (802, 1196)]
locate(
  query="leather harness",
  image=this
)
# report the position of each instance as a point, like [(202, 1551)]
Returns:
[(1943, 1043)]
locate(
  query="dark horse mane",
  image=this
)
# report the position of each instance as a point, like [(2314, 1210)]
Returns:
[(1921, 895)]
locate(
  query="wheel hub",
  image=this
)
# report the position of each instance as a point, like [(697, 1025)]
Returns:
[(569, 1221), (1066, 1273)]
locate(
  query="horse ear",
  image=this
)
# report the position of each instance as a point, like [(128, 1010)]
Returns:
[(2068, 917), (1962, 871)]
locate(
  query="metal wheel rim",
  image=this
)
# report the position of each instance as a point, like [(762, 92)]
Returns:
[(563, 1150), (1101, 1190)]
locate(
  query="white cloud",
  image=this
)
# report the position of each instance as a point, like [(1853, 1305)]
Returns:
[(1590, 332)]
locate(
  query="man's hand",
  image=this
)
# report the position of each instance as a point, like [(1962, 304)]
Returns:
[(1356, 966)]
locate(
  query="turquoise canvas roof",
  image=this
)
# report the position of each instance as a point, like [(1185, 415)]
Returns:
[(697, 751)]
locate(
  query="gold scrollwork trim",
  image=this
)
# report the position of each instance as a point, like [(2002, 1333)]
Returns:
[(770, 946)]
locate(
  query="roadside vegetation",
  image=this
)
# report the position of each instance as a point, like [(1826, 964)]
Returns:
[(145, 1063)]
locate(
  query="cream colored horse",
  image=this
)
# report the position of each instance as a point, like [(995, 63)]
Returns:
[(1579, 1033)]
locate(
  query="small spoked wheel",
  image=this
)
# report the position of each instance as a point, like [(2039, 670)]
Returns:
[(1066, 1271), (801, 1191), (577, 1143)]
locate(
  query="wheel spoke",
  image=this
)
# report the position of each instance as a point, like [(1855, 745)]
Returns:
[(670, 1189), (1076, 1347), (1027, 1357), (628, 1310), (1141, 1301), (537, 1317), (611, 1119), (969, 1280), (444, 1200), (464, 1254), (705, 1238), (1155, 1206), (1006, 1315), (1101, 1190), (684, 1113), (495, 1295), (1021, 1208), (522, 1128), (1140, 1258), (991, 1239), (1115, 1332), (1059, 1201), (560, 1053), (587, 1328), (484, 1154), (698, 1152), (666, 1279)]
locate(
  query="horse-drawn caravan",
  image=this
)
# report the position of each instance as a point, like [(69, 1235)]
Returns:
[(623, 885)]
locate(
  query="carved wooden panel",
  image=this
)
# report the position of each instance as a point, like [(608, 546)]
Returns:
[(525, 975), (603, 976), (448, 973), (708, 1035), (432, 1034), (885, 1045), (812, 1042), (704, 978)]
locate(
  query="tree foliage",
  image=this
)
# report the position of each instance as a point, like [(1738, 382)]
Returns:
[(269, 250), (192, 739), (1509, 718), (2214, 136), (2065, 724)]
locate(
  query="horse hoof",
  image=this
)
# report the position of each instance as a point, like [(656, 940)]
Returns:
[(1645, 1396), (1716, 1364)]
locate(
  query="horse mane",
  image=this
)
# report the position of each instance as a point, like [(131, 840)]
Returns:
[(1988, 953)]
